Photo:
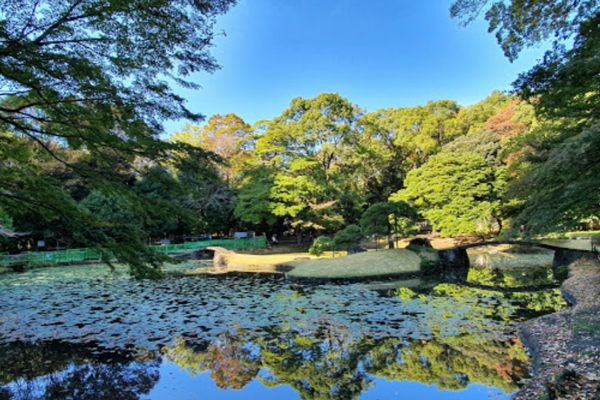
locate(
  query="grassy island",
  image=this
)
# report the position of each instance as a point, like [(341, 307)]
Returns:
[(371, 264)]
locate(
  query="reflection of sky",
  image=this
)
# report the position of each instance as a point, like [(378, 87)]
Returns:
[(177, 384), (180, 385)]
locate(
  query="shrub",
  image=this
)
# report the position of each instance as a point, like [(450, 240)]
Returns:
[(348, 237), (321, 245)]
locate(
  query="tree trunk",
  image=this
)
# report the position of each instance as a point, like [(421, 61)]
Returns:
[(396, 229)]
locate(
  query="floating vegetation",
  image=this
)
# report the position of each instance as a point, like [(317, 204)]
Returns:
[(61, 326)]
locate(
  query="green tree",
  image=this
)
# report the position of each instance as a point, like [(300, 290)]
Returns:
[(348, 237), (92, 75), (458, 193), (553, 169), (566, 84), (518, 24), (253, 202), (385, 219), (394, 141), (559, 190), (321, 245), (309, 146)]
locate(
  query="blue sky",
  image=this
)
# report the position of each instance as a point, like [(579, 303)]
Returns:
[(380, 53)]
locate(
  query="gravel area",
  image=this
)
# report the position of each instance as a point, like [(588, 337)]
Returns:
[(565, 346)]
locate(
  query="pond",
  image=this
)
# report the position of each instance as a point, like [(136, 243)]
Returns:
[(82, 332)]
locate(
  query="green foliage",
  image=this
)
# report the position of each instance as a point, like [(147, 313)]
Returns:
[(520, 24), (308, 148), (559, 190), (320, 245), (566, 84), (253, 203), (553, 170), (459, 193), (90, 76), (348, 237), (387, 218), (376, 220)]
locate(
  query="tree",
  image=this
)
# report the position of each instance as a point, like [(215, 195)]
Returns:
[(384, 219), (226, 135), (309, 147), (348, 237), (566, 84), (394, 141), (458, 193), (253, 201), (303, 194), (321, 245), (90, 75), (560, 190), (518, 24), (550, 186)]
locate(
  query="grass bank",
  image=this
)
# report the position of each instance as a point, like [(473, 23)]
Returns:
[(371, 264)]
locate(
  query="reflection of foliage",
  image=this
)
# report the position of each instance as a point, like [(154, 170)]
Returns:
[(186, 357), (232, 364), (103, 382), (317, 369), (67, 371), (332, 365), (405, 293), (450, 362), (500, 304), (510, 277), (230, 359)]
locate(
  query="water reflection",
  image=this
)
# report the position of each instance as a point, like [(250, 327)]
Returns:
[(122, 339), (58, 370)]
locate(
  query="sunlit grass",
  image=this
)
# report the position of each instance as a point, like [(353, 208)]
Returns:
[(369, 264)]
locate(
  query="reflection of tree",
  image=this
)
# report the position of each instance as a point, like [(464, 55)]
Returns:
[(324, 368), (496, 304), (232, 364), (230, 360), (329, 364), (450, 362), (58, 370), (124, 381), (510, 277)]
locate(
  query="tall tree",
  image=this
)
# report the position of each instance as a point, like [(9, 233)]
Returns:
[(459, 193), (226, 135), (394, 141), (309, 146), (518, 24), (554, 165), (91, 74)]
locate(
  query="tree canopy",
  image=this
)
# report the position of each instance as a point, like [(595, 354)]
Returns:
[(94, 76)]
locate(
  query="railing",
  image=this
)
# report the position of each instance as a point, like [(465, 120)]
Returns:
[(87, 254)]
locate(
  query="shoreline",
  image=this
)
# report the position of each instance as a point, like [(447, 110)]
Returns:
[(565, 346)]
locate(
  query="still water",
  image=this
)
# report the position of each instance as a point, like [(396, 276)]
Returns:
[(86, 333)]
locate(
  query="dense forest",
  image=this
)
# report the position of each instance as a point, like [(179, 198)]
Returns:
[(84, 160)]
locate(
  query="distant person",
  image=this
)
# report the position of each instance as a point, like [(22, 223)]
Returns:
[(274, 239)]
